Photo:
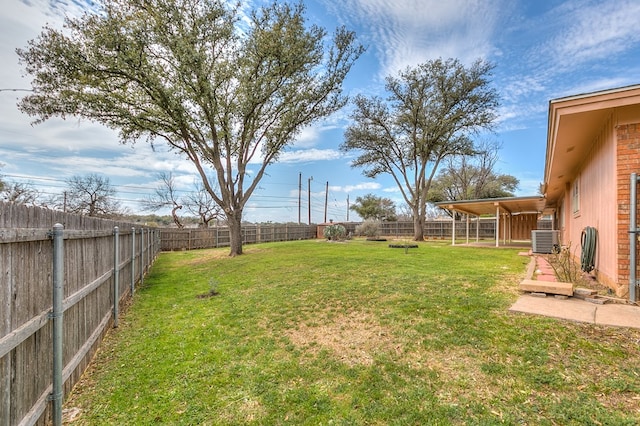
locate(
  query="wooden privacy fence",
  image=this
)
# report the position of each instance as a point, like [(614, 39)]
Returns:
[(197, 238), (437, 229), (441, 229), (60, 278)]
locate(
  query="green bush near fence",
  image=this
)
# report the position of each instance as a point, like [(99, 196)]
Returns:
[(335, 232), (315, 333)]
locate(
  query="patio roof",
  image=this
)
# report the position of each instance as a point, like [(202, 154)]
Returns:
[(509, 206), (489, 206)]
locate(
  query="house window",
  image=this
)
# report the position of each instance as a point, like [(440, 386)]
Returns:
[(575, 196)]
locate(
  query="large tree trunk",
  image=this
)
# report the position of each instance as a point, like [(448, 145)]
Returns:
[(234, 221), (418, 222)]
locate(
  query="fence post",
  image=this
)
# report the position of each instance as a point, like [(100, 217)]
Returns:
[(116, 275), (146, 249), (133, 259), (141, 256), (56, 315)]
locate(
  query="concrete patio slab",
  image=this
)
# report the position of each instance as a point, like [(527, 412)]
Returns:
[(572, 309)]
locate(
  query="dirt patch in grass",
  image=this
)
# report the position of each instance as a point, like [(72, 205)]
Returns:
[(354, 338), (243, 410), (207, 255)]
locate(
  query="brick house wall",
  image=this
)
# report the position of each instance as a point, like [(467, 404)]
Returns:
[(628, 161)]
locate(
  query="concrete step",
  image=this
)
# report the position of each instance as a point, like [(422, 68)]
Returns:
[(552, 287), (583, 293)]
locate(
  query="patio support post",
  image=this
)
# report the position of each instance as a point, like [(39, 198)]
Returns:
[(504, 229), (453, 228), (477, 228), (467, 228), (497, 226)]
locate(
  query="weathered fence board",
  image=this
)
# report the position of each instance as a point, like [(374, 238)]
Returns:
[(196, 238), (190, 239), (26, 332)]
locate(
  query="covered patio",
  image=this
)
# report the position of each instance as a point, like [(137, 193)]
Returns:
[(515, 217)]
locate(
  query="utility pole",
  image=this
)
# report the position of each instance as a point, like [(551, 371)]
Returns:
[(347, 207), (309, 194), (326, 200), (299, 195)]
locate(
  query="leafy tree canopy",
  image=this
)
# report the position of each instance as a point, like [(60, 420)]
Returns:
[(431, 112), (225, 90), (373, 207)]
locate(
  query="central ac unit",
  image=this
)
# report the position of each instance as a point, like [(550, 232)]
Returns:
[(543, 241)]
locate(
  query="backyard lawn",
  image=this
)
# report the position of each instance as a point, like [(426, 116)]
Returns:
[(313, 332)]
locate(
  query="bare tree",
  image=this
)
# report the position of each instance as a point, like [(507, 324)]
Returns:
[(165, 195), (470, 177), (90, 195), (404, 212), (19, 193), (200, 203)]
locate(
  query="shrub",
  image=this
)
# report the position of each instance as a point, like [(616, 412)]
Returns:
[(335, 232), (369, 228), (565, 268)]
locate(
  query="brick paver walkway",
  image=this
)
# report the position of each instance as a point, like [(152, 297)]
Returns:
[(544, 271)]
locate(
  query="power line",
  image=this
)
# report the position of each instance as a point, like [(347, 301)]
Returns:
[(135, 194)]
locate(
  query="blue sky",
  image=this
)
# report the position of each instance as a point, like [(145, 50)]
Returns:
[(542, 50)]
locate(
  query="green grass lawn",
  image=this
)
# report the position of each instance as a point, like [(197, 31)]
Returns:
[(311, 332)]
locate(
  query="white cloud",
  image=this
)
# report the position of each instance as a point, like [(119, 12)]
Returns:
[(391, 189), (407, 32), (308, 137), (308, 155), (523, 86), (364, 186), (596, 31), (586, 31)]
